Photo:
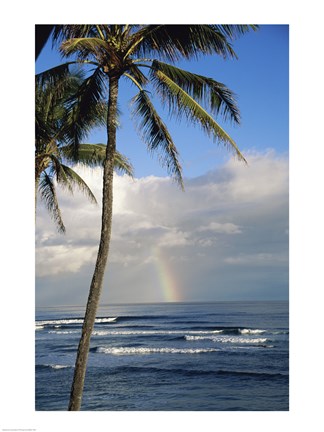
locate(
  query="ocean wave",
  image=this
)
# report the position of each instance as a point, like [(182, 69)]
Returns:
[(236, 330), (64, 331), (57, 366), (251, 331), (53, 366), (151, 350), (105, 320), (66, 321), (227, 339), (152, 332)]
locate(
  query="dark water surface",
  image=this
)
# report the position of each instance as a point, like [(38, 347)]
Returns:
[(226, 356)]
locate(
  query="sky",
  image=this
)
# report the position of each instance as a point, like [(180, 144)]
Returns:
[(224, 238)]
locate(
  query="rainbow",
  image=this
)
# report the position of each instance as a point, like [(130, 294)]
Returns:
[(170, 289)]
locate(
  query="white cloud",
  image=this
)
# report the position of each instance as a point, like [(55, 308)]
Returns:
[(264, 176), (235, 216), (53, 260), (225, 228), (173, 237)]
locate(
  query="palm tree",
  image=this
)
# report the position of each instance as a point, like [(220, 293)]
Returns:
[(146, 55), (56, 108)]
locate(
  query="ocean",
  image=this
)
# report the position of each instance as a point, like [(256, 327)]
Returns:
[(223, 356)]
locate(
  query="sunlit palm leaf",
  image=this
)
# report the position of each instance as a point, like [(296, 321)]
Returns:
[(92, 155), (156, 135), (204, 90), (181, 103), (94, 46)]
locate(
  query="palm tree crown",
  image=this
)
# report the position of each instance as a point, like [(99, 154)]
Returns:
[(57, 108), (136, 53)]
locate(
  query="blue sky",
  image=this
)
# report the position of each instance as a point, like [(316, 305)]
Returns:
[(225, 238)]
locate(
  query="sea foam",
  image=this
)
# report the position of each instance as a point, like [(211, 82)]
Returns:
[(153, 332), (148, 350), (227, 339), (251, 331), (59, 322)]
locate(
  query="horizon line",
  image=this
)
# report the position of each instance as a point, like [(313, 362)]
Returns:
[(161, 302)]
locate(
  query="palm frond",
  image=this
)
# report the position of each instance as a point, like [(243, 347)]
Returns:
[(218, 98), (123, 165), (155, 134), (51, 93), (135, 72), (90, 155), (181, 41), (181, 103), (85, 109), (233, 31), (93, 155), (48, 195), (85, 46), (53, 75), (69, 179), (67, 31), (43, 134), (57, 170)]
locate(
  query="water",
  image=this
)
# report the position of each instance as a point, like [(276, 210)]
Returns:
[(226, 356)]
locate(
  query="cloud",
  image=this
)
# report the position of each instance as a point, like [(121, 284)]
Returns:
[(227, 228), (267, 259), (230, 222), (63, 258)]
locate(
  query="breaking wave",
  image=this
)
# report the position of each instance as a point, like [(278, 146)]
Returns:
[(71, 321), (227, 339), (53, 366), (65, 332), (152, 332), (147, 350), (251, 331)]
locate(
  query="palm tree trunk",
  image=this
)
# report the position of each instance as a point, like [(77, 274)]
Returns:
[(97, 279)]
